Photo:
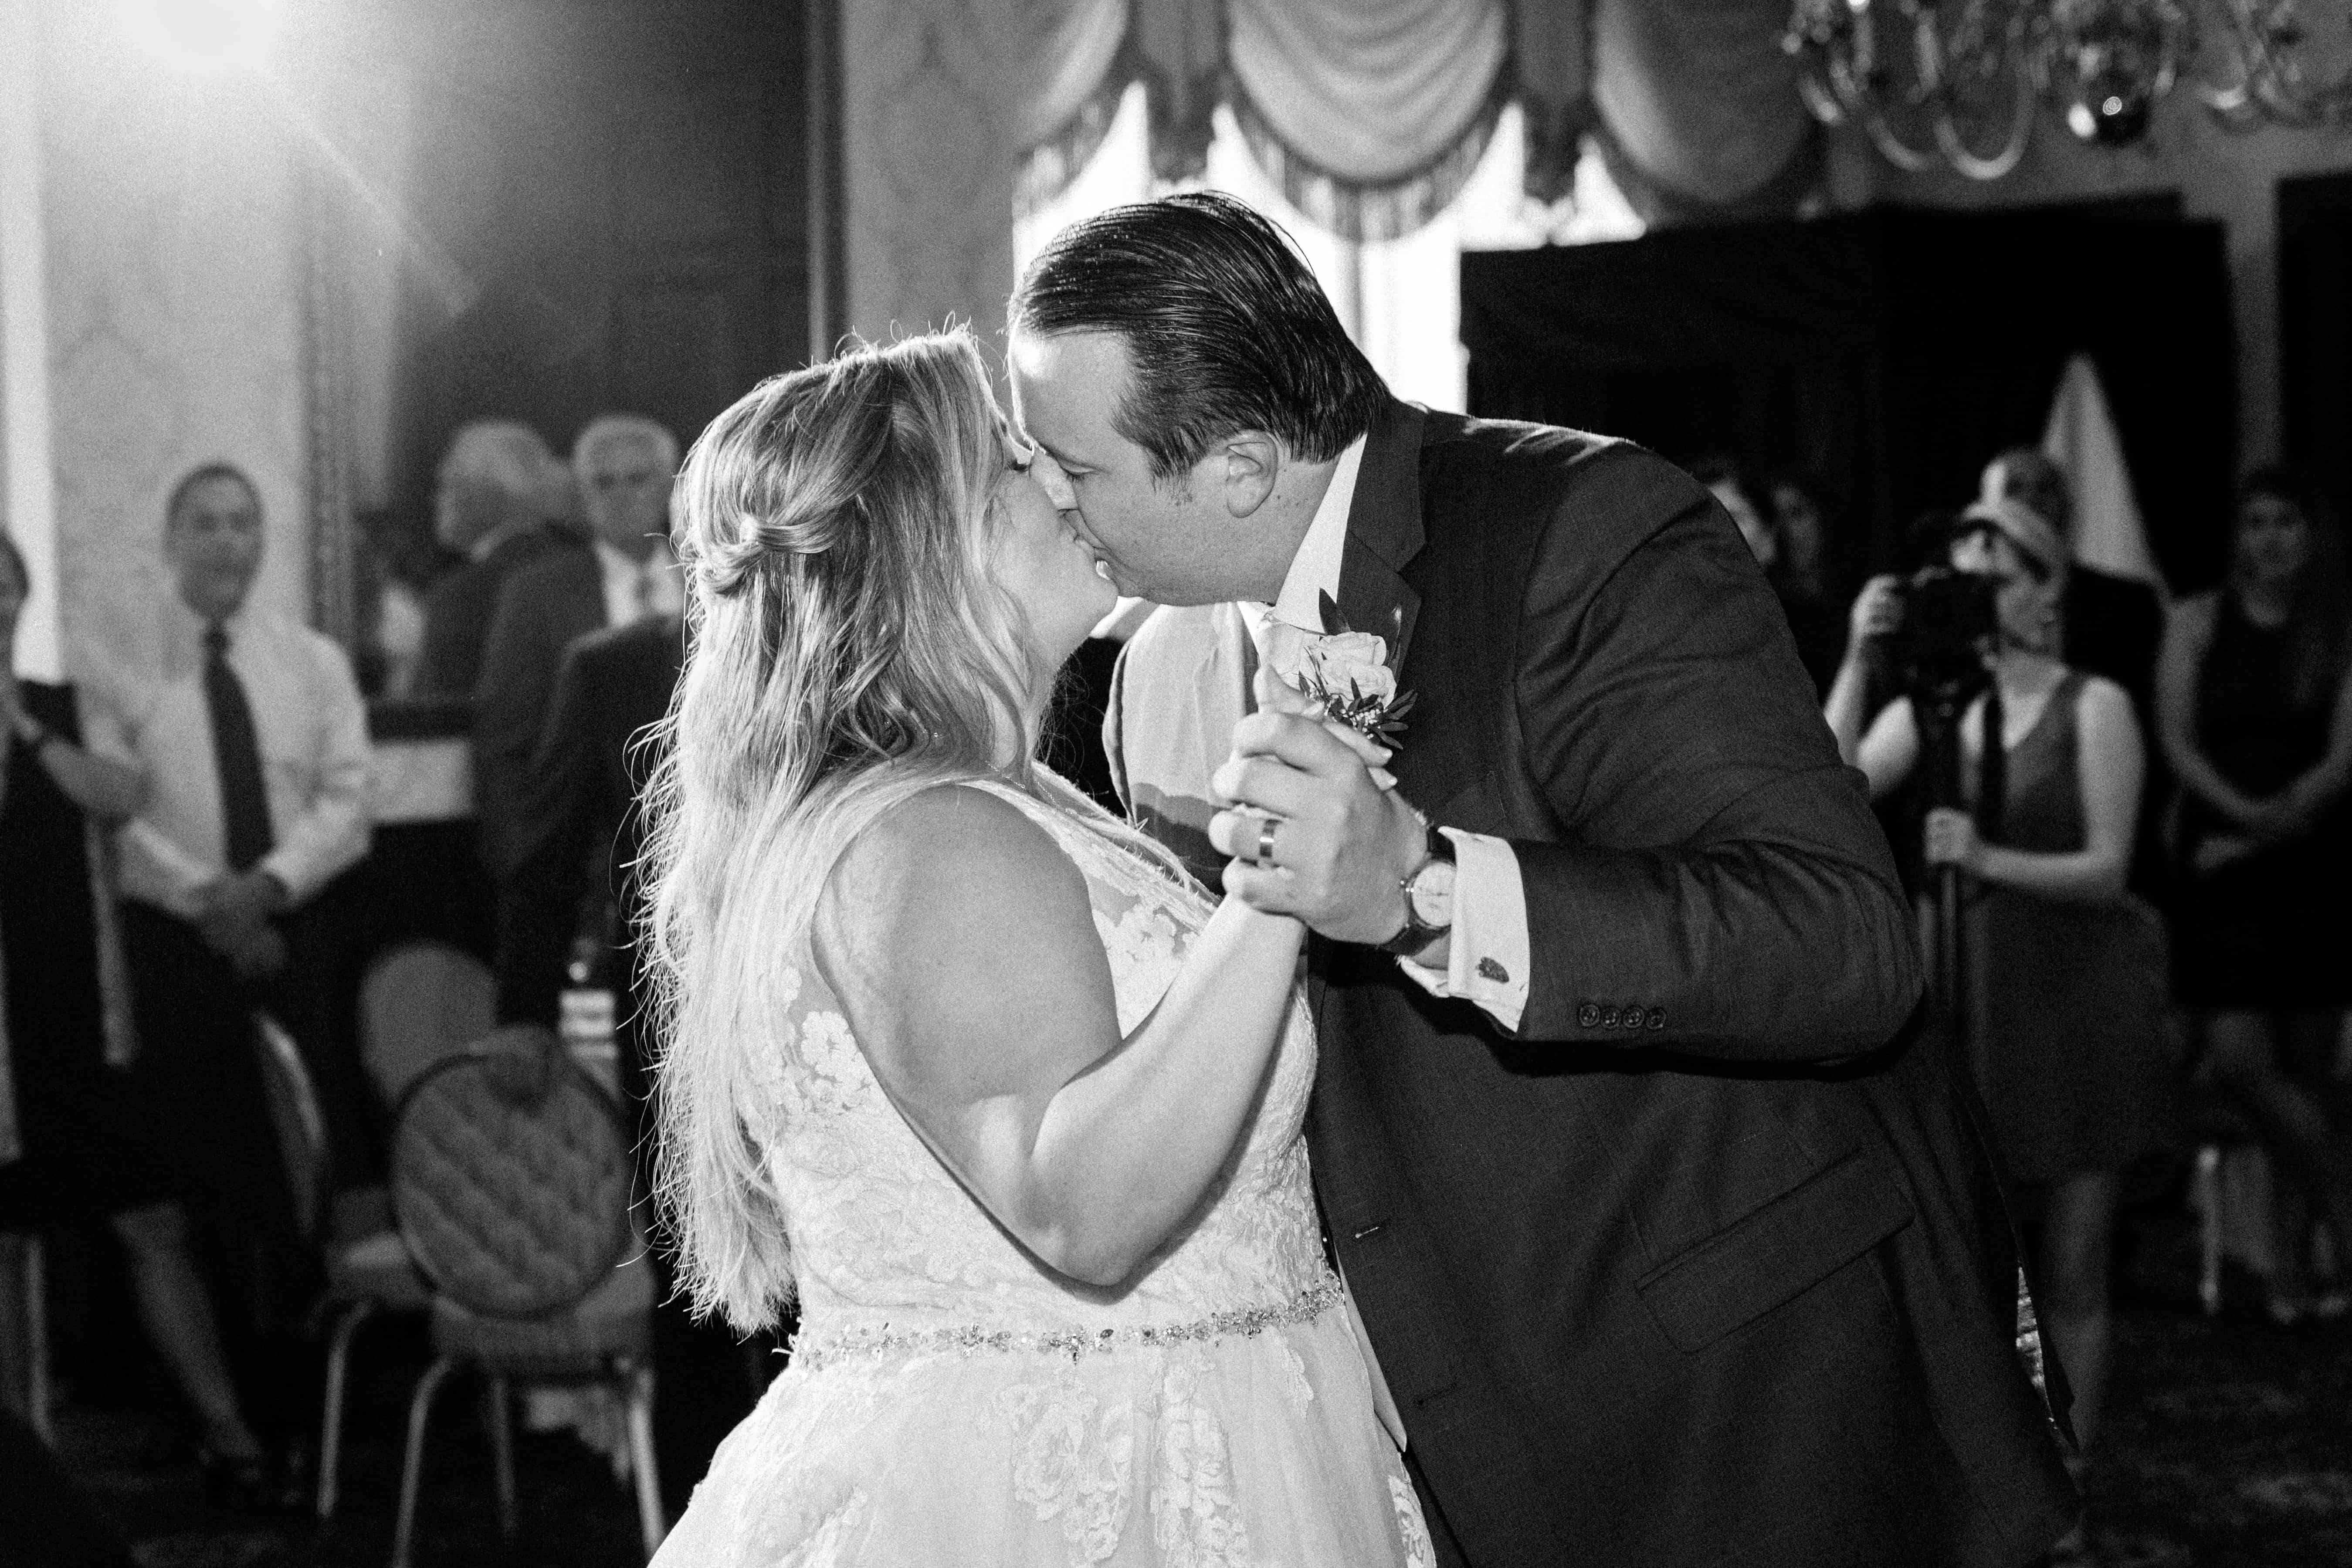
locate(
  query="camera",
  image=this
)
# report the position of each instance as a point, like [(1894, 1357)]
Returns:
[(1948, 621)]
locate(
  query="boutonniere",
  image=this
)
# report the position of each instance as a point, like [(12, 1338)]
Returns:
[(1347, 674)]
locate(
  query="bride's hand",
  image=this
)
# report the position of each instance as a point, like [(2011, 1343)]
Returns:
[(1277, 695)]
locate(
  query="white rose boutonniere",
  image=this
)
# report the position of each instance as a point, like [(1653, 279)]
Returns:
[(1347, 674)]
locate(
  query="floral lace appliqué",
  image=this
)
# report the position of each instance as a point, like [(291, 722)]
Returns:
[(1147, 950), (1072, 1465), (1294, 1369), (1420, 1551), (1194, 1521)]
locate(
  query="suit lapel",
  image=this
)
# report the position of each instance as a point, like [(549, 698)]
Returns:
[(1384, 531)]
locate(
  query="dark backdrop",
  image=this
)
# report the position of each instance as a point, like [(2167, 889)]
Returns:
[(1887, 353), (2314, 218), (622, 194)]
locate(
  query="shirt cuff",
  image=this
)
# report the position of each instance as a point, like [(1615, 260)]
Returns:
[(1489, 964)]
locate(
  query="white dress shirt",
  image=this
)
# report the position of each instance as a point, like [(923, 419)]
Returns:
[(312, 734), (1487, 963), (634, 589)]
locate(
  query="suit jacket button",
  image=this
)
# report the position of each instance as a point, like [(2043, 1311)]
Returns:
[(1633, 1017), (1657, 1019), (1588, 1015), (1609, 1017)]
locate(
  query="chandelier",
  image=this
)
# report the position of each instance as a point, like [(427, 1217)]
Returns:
[(1964, 80)]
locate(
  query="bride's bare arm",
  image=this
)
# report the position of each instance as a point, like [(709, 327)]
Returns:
[(962, 944)]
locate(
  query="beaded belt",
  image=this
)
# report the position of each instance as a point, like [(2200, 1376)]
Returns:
[(832, 1347)]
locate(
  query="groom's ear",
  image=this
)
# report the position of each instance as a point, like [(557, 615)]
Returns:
[(1253, 462)]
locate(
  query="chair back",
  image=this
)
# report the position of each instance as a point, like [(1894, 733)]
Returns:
[(511, 1174), (300, 1126), (420, 1003)]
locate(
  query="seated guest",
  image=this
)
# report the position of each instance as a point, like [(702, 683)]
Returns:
[(624, 467), (253, 747), (84, 1140), (498, 491), (580, 836), (2066, 1024), (2255, 708)]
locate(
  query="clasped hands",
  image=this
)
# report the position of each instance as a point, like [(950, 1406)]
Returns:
[(233, 914), (1342, 838), (1953, 840)]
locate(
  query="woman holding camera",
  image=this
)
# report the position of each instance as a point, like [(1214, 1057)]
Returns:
[(2062, 973), (2254, 712)]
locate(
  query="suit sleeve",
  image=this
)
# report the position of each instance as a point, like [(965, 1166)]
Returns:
[(442, 667), (561, 806), (1719, 886), (538, 614)]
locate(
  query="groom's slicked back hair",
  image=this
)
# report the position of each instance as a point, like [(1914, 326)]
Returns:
[(1225, 328)]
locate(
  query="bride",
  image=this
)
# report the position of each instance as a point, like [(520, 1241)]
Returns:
[(960, 1060)]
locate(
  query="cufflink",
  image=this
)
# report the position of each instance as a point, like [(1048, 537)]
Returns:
[(1490, 970)]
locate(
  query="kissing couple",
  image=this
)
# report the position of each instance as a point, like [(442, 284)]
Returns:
[(1467, 1113)]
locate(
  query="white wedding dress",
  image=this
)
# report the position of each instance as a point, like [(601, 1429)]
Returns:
[(949, 1402)]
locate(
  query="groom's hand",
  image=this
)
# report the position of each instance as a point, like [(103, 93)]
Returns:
[(1342, 844)]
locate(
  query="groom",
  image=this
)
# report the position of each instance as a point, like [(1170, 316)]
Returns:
[(1674, 1245)]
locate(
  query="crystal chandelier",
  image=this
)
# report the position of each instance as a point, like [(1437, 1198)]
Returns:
[(1962, 81)]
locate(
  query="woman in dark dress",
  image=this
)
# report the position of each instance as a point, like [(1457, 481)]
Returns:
[(2068, 1033), (84, 1145), (2255, 713)]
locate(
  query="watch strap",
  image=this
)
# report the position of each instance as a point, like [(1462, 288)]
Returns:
[(1418, 934)]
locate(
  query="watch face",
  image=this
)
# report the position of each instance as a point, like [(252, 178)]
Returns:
[(1433, 894)]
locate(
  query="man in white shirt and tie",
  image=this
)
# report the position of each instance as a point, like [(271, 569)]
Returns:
[(624, 465), (253, 744)]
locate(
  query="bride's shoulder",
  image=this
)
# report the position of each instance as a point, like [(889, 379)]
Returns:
[(945, 878), (948, 844)]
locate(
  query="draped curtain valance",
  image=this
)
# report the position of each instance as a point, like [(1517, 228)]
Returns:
[(1371, 115)]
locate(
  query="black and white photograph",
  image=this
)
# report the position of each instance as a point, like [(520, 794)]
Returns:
[(1176, 783)]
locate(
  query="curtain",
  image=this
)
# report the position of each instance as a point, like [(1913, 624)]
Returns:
[(1698, 108), (1074, 46), (1371, 115)]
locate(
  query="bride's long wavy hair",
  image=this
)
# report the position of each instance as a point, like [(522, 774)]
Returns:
[(847, 648)]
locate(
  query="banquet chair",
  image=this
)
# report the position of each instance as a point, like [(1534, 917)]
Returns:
[(511, 1176), (366, 1260), (419, 1003)]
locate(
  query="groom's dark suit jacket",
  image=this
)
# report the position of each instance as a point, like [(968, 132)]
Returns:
[(1706, 1263)]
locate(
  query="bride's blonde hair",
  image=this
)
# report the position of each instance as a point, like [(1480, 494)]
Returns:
[(847, 649)]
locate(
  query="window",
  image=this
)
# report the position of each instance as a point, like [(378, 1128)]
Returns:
[(1400, 300)]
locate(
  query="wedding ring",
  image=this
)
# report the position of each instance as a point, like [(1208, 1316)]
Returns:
[(1265, 855)]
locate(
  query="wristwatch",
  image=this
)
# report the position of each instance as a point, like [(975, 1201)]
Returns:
[(1428, 897)]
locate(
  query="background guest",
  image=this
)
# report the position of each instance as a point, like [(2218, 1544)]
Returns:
[(1812, 622), (581, 833), (497, 495), (253, 747), (624, 467), (2112, 624), (1800, 524), (85, 1136), (2064, 989), (2255, 713)]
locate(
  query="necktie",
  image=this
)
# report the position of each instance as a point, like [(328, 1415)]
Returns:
[(236, 752)]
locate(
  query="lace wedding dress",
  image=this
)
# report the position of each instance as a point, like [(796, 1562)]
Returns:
[(949, 1402)]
